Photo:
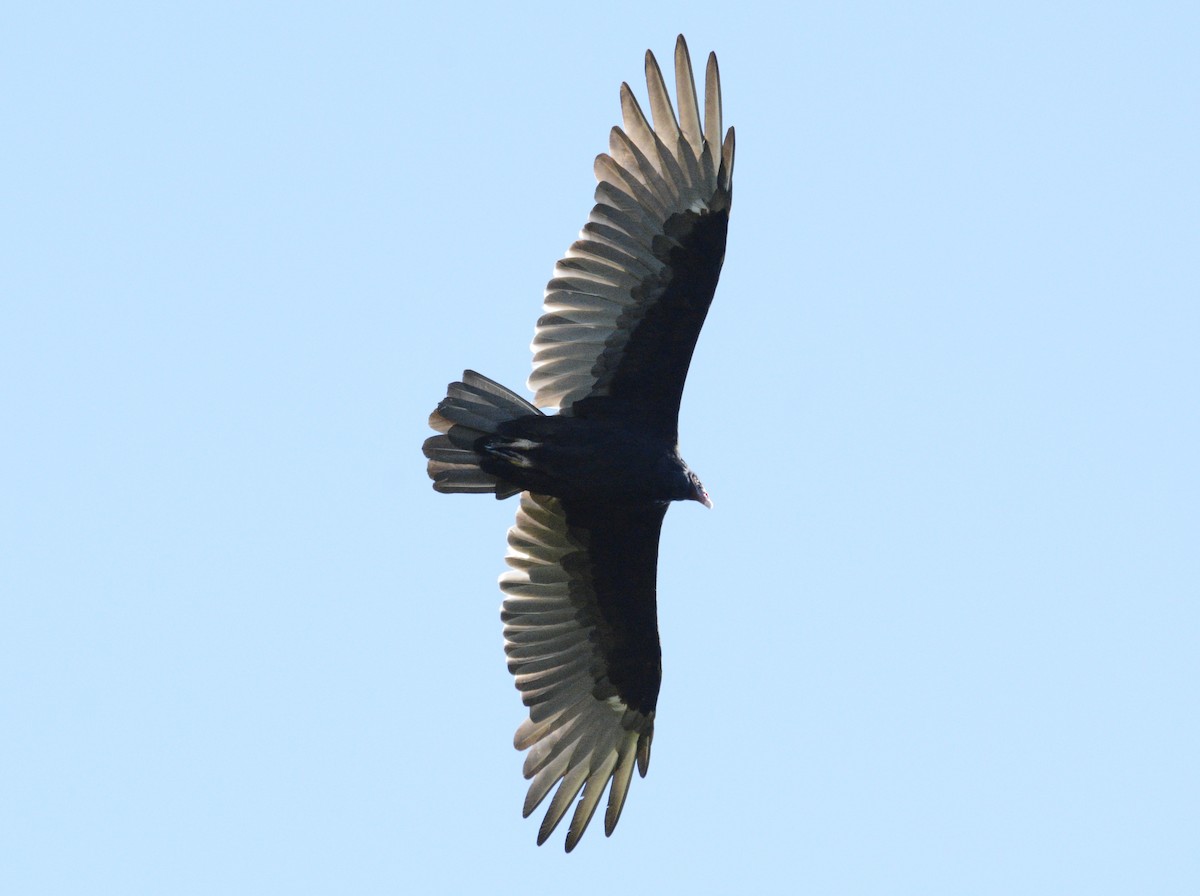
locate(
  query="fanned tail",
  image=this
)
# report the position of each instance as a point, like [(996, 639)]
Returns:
[(471, 409)]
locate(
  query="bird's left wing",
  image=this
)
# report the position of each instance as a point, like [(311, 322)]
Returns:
[(581, 635), (627, 302)]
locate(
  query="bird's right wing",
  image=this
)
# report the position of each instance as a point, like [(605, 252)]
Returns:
[(627, 301), (581, 634)]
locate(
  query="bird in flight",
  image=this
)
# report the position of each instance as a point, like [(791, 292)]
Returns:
[(610, 352)]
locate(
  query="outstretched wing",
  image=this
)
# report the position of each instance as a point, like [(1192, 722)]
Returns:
[(627, 302), (581, 634)]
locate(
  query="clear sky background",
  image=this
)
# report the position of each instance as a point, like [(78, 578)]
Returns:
[(941, 633)]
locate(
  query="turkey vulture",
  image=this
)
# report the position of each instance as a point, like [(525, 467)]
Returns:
[(611, 353)]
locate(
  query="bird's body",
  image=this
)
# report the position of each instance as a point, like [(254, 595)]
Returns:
[(611, 353), (607, 461)]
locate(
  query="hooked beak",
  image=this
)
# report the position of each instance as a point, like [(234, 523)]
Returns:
[(702, 496)]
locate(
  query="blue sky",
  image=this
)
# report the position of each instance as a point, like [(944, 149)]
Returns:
[(939, 634)]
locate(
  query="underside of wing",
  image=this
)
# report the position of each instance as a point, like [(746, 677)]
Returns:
[(627, 301), (581, 637)]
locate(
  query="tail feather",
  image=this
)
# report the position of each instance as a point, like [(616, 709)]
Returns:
[(472, 408)]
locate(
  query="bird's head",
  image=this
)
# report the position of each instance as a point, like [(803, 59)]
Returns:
[(682, 483), (697, 492)]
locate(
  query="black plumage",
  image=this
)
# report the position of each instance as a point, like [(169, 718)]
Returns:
[(611, 353)]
